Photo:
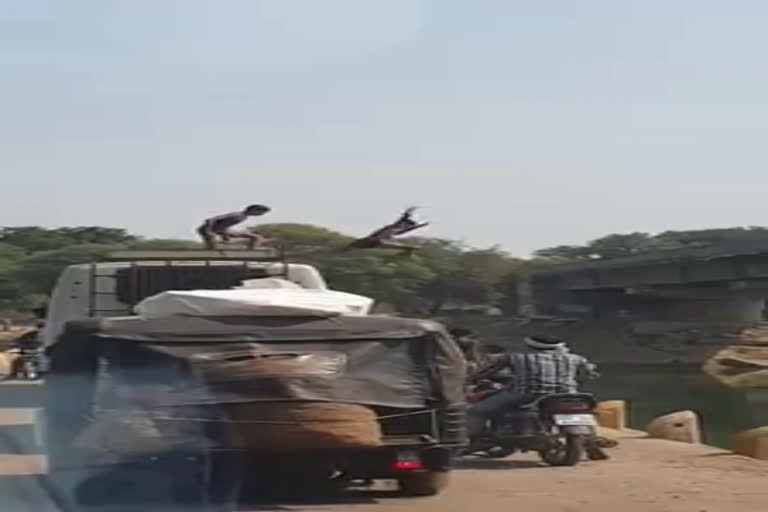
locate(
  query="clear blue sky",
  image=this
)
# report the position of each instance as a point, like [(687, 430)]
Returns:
[(526, 124)]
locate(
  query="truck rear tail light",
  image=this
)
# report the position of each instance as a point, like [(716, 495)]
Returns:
[(407, 461), (407, 464)]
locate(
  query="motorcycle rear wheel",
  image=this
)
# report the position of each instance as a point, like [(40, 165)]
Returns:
[(498, 452), (567, 451), (29, 371)]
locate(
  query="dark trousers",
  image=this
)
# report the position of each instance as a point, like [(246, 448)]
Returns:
[(479, 412)]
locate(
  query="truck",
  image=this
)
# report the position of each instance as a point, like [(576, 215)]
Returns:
[(179, 379)]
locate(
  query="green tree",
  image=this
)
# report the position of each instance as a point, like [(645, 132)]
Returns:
[(83, 235), (563, 253), (303, 237), (164, 244), (32, 238), (441, 272), (38, 272), (10, 254), (382, 277), (711, 237), (629, 244), (472, 277), (610, 246), (617, 246), (35, 238)]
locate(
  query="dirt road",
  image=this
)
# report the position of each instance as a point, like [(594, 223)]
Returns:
[(643, 476)]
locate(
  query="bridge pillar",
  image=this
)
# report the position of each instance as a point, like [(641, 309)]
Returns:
[(736, 310)]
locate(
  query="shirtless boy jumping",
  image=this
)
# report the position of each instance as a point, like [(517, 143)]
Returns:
[(382, 237), (221, 226)]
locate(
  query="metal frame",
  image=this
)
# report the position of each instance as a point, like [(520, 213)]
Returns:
[(263, 254), (137, 259)]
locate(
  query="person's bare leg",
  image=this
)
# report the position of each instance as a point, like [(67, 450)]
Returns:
[(252, 239), (209, 240)]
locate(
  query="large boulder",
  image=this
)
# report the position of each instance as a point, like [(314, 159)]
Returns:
[(682, 426), (740, 366), (754, 336)]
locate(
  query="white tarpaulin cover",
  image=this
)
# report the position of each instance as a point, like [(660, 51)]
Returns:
[(254, 302), (267, 282)]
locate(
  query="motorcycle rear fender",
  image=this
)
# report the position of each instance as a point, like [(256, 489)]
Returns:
[(577, 430)]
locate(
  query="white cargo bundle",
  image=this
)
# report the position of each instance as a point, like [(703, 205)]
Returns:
[(267, 282), (254, 301)]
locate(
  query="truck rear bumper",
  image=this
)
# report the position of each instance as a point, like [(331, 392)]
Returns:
[(389, 461)]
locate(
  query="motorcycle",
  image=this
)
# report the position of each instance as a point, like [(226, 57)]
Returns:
[(560, 427), (28, 363)]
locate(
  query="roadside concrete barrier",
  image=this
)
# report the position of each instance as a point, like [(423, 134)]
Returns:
[(612, 414), (752, 443), (682, 426)]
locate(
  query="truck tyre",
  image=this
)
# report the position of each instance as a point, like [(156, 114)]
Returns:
[(427, 483)]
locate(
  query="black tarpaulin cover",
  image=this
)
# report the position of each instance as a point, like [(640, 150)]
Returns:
[(185, 366)]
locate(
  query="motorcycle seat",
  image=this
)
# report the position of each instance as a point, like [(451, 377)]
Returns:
[(542, 400)]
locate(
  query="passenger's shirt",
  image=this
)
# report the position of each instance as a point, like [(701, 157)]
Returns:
[(542, 372)]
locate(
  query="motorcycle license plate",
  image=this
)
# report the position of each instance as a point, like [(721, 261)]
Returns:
[(575, 419)]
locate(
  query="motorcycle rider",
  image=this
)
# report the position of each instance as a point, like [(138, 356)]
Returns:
[(383, 238), (469, 345), (546, 367)]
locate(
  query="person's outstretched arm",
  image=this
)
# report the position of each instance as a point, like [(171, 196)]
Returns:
[(586, 370), (494, 367)]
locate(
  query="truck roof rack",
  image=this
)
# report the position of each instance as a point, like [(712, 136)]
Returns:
[(266, 254), (143, 277)]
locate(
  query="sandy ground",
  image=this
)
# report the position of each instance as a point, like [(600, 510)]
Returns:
[(644, 475)]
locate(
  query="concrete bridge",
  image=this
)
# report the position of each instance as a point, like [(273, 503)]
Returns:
[(726, 283)]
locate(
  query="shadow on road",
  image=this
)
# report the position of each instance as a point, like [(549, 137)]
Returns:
[(32, 492), (310, 498), (21, 394), (498, 464), (144, 489), (25, 492), (18, 439)]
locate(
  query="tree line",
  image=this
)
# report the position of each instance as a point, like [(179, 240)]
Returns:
[(443, 274)]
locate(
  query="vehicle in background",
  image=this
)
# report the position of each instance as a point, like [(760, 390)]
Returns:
[(27, 365)]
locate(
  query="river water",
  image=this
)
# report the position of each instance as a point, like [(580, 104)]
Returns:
[(652, 391)]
